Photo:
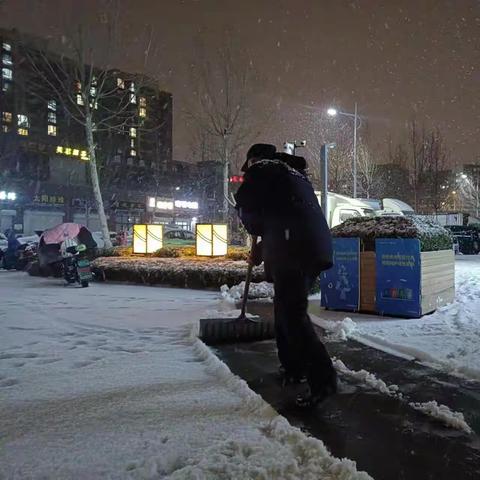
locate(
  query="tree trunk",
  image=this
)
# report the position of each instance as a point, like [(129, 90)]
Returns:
[(225, 180), (97, 193)]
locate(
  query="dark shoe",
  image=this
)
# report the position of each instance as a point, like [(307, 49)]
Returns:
[(313, 397), (288, 378)]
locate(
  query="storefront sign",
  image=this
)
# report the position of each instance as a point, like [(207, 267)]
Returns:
[(398, 277), (45, 199), (340, 285)]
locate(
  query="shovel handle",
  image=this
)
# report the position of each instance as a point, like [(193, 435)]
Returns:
[(248, 278)]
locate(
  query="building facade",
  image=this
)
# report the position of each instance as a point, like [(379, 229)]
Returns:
[(44, 161)]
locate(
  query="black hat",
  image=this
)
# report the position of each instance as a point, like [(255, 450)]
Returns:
[(294, 161), (259, 150)]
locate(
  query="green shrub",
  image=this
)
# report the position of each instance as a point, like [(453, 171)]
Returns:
[(168, 252), (432, 236), (238, 253)]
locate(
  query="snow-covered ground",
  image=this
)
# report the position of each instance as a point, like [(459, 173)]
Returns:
[(109, 382), (449, 338)]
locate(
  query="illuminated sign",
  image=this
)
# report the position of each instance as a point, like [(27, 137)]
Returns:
[(147, 238), (12, 196), (186, 205), (72, 152), (211, 240)]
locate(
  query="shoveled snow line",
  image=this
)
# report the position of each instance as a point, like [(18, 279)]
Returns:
[(308, 450), (444, 414), (400, 351), (440, 412), (367, 378)]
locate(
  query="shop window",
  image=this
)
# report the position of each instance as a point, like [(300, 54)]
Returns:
[(7, 73), (22, 121), (52, 130)]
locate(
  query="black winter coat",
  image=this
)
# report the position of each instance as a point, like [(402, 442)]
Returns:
[(278, 203)]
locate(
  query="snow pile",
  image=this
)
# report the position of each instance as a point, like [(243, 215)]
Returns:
[(432, 409), (262, 290), (367, 378), (275, 451), (340, 331), (444, 414)]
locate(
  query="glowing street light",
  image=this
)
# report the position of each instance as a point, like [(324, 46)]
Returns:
[(333, 112)]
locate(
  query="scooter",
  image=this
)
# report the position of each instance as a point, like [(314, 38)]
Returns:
[(76, 266)]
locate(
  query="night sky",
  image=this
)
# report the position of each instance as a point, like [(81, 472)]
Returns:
[(397, 59)]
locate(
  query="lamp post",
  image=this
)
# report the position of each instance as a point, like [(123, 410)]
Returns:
[(324, 178), (333, 112)]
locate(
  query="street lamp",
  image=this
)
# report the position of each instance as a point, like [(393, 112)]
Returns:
[(333, 112)]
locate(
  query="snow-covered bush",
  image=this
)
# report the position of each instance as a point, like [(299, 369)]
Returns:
[(192, 272), (432, 236)]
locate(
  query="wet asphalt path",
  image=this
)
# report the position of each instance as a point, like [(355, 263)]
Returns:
[(384, 435)]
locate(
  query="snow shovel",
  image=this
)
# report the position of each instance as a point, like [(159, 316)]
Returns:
[(241, 329)]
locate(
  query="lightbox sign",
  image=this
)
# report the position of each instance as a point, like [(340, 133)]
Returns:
[(168, 204), (186, 205), (11, 196)]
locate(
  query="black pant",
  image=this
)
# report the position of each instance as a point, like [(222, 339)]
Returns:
[(300, 351)]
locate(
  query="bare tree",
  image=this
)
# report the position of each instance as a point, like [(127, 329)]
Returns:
[(469, 189), (91, 92), (368, 171), (435, 175), (222, 116)]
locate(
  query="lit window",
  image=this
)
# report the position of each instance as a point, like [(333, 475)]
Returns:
[(83, 155), (5, 128), (93, 91), (94, 81), (142, 101), (132, 87), (22, 121), (52, 105), (132, 143), (7, 117), (133, 98), (68, 151), (7, 73), (120, 83), (133, 152), (7, 47), (6, 86), (52, 130), (133, 132), (7, 59), (52, 117), (59, 149), (142, 112), (80, 99), (23, 131), (76, 152)]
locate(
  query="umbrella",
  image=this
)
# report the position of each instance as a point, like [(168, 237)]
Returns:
[(60, 233)]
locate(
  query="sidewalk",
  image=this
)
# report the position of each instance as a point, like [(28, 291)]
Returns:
[(383, 434)]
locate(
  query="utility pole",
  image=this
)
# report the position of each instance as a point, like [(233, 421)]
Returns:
[(355, 154)]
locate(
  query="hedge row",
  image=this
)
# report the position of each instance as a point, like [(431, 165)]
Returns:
[(432, 236), (177, 272)]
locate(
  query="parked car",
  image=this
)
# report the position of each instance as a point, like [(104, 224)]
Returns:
[(179, 237), (98, 237), (467, 237)]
